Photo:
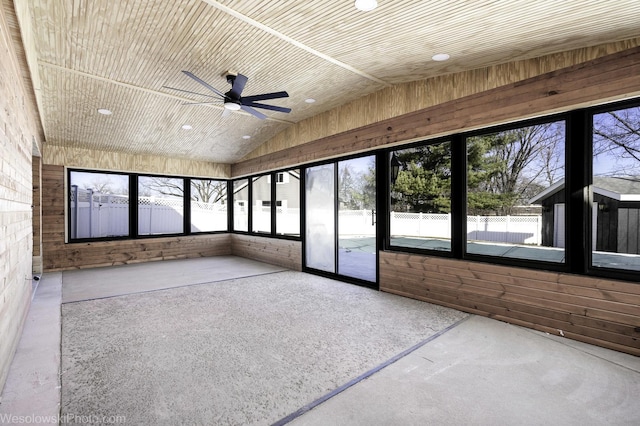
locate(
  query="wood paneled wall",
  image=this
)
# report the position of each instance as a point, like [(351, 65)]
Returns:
[(593, 310), (117, 161), (285, 253), (18, 131), (457, 102), (61, 256), (36, 167)]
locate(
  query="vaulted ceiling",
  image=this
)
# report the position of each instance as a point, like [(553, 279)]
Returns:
[(90, 54)]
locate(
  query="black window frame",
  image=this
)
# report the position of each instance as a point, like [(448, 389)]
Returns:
[(133, 206), (512, 261), (226, 196), (388, 184), (271, 178), (588, 125), (131, 228)]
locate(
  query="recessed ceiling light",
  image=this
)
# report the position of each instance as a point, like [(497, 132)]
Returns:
[(366, 5), (309, 100), (187, 127), (246, 137), (440, 57), (104, 111)]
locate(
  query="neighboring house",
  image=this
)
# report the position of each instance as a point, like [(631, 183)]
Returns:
[(615, 218), (288, 192)]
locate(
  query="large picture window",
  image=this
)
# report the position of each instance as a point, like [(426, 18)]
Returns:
[(241, 205), (160, 205), (616, 189), (515, 193), (208, 205), (420, 214), (98, 205), (288, 203), (261, 201)]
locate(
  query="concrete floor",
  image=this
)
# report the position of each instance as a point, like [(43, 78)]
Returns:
[(473, 371)]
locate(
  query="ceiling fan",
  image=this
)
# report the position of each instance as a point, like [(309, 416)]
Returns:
[(232, 100)]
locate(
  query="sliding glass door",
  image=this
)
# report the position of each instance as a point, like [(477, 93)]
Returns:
[(320, 229), (340, 203)]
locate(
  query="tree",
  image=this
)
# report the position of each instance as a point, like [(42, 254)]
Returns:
[(208, 191), (203, 190), (101, 184), (424, 180), (616, 138), (348, 181), (506, 168)]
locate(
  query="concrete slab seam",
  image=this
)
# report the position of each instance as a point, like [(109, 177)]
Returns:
[(365, 375), (170, 288), (556, 339)]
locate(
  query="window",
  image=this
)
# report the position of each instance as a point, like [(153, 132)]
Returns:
[(240, 200), (288, 203), (160, 205), (98, 205), (282, 177), (616, 189), (515, 193), (261, 196), (420, 213), (208, 205)]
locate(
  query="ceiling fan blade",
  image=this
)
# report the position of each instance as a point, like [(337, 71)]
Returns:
[(238, 85), (188, 91), (265, 96), (226, 112), (205, 84), (202, 103), (253, 112), (265, 106)]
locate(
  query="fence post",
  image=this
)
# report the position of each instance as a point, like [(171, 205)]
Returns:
[(90, 213), (152, 201), (108, 209), (508, 237), (420, 224), (74, 219), (539, 230)]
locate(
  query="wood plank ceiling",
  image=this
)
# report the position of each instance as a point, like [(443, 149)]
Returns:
[(91, 54)]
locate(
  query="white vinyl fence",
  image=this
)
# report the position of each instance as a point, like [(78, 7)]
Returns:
[(96, 215), (504, 229)]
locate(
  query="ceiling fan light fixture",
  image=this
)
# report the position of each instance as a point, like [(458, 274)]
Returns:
[(366, 5), (232, 106)]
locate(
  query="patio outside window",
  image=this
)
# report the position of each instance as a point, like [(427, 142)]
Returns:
[(515, 193), (616, 189), (420, 214), (98, 205), (288, 203), (208, 205), (261, 201), (240, 205), (160, 205)]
